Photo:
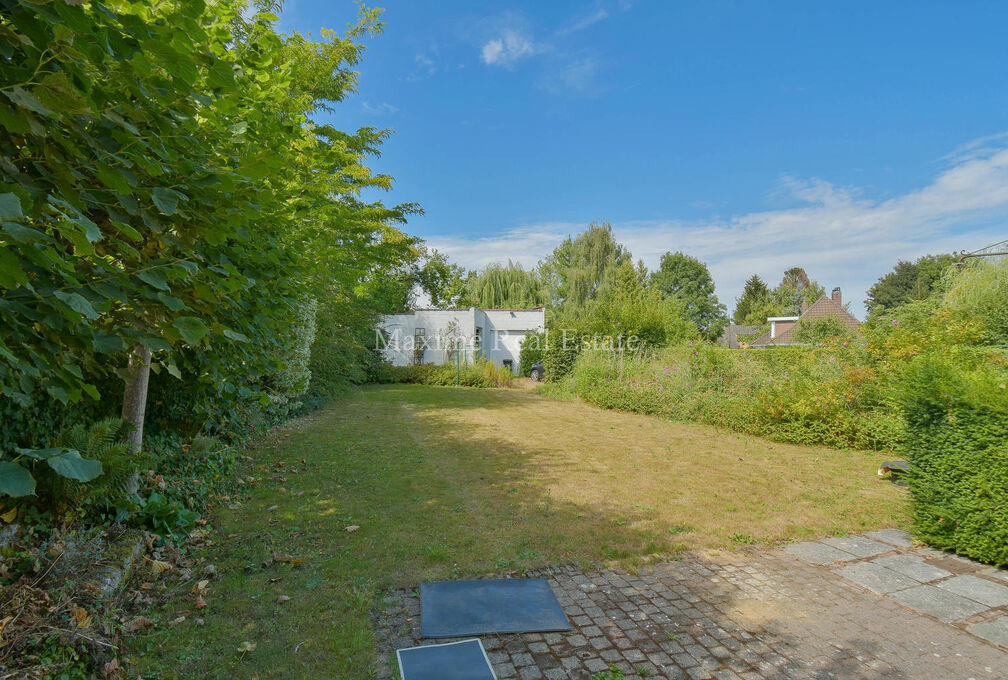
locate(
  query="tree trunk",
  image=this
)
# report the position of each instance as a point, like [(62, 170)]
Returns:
[(135, 395)]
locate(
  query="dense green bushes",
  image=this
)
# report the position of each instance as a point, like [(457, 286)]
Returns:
[(481, 373), (532, 348), (957, 440), (830, 395)]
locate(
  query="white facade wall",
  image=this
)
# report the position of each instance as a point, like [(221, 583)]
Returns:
[(500, 332)]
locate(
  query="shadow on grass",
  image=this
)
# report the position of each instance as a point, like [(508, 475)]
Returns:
[(394, 485)]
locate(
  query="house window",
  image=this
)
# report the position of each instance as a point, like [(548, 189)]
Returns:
[(419, 345)]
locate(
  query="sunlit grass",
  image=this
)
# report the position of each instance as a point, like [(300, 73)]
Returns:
[(449, 482)]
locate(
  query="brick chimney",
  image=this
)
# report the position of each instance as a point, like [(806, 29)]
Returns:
[(837, 298)]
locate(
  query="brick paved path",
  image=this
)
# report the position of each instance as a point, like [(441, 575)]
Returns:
[(765, 615)]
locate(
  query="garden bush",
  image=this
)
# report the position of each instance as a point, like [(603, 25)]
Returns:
[(830, 396), (957, 441), (481, 373), (532, 349)]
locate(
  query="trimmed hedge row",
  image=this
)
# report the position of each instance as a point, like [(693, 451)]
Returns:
[(479, 374), (957, 440)]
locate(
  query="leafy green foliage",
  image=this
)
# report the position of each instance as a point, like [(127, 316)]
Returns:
[(755, 296), (480, 373), (166, 516), (577, 268), (957, 441), (443, 281), (908, 281), (16, 478), (828, 329), (532, 349), (507, 286), (688, 279), (812, 396)]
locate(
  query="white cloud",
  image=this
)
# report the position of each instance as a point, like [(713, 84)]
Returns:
[(840, 237), (379, 109), (511, 46), (599, 14), (572, 76)]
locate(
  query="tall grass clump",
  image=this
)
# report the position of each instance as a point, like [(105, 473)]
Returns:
[(829, 395)]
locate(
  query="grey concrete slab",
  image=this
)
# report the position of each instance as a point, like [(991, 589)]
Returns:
[(938, 603), (979, 589), (895, 537), (817, 553), (994, 572), (858, 545), (876, 578), (995, 630), (913, 566)]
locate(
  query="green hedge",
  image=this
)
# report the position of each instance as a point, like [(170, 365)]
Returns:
[(957, 441), (482, 373)]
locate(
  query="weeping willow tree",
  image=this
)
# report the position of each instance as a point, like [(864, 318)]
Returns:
[(505, 286), (575, 271)]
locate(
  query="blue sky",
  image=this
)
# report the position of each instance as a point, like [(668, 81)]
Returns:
[(756, 136)]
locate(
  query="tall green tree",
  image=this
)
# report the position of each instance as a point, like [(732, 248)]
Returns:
[(575, 271), (167, 199), (443, 281), (505, 286), (907, 281), (688, 279), (750, 305)]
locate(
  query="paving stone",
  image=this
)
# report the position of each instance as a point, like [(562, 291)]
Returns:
[(894, 537), (995, 630), (876, 578), (994, 572), (941, 604), (817, 553), (857, 545), (913, 566), (979, 589)]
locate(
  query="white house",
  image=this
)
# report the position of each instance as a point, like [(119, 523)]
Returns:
[(440, 335)]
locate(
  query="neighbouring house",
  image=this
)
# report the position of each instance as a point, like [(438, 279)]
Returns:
[(443, 335), (730, 337), (782, 328)]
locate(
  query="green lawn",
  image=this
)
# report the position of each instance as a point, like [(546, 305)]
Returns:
[(451, 482)]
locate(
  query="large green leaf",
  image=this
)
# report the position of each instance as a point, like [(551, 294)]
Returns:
[(15, 480), (154, 277), (78, 303), (10, 207), (191, 329), (70, 464), (166, 200)]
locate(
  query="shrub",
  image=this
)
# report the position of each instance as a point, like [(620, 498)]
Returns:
[(957, 440), (532, 349), (560, 355), (804, 395), (480, 373)]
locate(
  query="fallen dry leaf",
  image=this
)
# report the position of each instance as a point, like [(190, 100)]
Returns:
[(352, 528), (200, 602), (176, 622), (146, 586), (199, 588), (136, 624), (159, 566), (10, 515), (282, 599), (246, 647), (111, 669)]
